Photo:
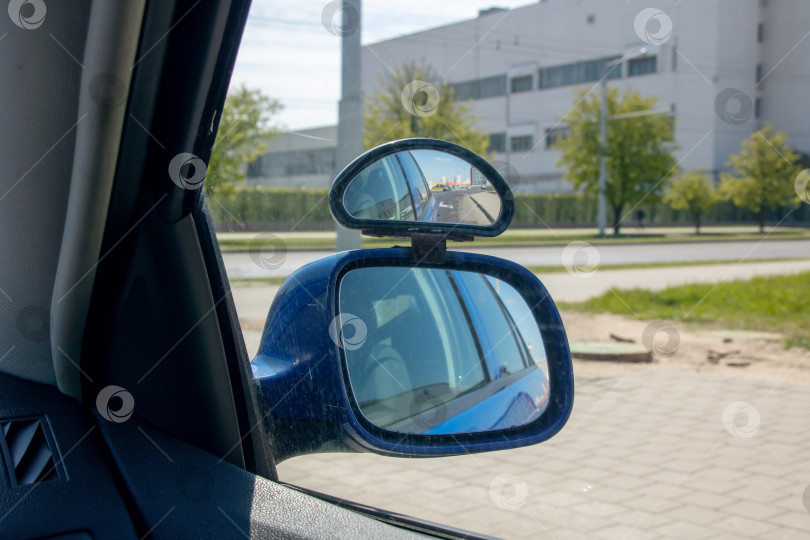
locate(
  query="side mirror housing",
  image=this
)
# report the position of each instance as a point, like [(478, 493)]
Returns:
[(463, 356)]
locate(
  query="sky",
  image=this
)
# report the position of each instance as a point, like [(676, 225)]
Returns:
[(437, 165), (288, 54)]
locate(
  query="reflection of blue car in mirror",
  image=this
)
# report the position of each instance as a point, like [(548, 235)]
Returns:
[(473, 361), (392, 188)]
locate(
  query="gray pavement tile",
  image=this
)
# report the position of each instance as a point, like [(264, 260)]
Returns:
[(705, 499), (609, 494), (681, 466), (744, 527), (383, 489), (668, 477), (783, 452), (590, 474), (771, 484), (639, 520), (599, 509), (603, 462), (616, 532), (714, 486), (759, 495), (751, 510), (579, 521), (652, 505), (787, 533), (785, 436), (664, 491), (792, 501), (650, 458), (638, 470), (443, 505), (713, 472), (625, 480), (405, 475), (696, 514), (682, 529), (563, 534), (617, 449), (560, 499), (793, 520)]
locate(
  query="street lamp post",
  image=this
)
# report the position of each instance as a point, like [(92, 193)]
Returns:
[(602, 165), (350, 109)]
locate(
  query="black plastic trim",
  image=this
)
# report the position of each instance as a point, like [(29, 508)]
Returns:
[(403, 521)]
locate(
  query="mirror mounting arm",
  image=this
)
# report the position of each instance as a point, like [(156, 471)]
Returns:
[(430, 248)]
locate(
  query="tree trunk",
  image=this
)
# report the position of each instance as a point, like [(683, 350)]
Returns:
[(617, 217), (697, 222), (762, 220)]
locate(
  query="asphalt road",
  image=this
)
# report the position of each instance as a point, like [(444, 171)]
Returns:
[(474, 207), (280, 264)]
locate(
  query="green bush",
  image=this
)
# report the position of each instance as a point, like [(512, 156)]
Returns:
[(554, 209), (266, 206)]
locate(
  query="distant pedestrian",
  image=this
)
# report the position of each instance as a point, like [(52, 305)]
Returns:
[(640, 219)]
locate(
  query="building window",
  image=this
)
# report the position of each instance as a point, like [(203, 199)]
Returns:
[(497, 142), (521, 84), (294, 163), (480, 88), (555, 135), (759, 73), (642, 66), (760, 33), (578, 73), (464, 90), (492, 86), (522, 143), (757, 107)]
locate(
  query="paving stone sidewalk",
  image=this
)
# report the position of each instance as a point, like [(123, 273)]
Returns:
[(650, 453)]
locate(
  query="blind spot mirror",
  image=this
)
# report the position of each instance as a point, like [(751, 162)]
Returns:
[(422, 185), (441, 351)]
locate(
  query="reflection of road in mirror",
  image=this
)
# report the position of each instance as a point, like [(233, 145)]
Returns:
[(474, 207), (422, 186)]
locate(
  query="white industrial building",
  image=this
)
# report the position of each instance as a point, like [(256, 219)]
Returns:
[(301, 159), (721, 67)]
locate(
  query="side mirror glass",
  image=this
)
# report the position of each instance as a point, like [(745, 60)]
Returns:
[(439, 351), (422, 185)]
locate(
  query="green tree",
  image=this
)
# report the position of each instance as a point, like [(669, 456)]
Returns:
[(762, 175), (413, 102), (693, 192), (244, 128), (639, 149)]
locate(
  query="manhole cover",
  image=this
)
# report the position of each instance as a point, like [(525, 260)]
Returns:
[(610, 351)]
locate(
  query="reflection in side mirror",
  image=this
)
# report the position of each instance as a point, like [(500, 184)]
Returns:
[(422, 185), (444, 351)]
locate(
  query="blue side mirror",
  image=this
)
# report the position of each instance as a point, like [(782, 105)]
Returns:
[(414, 351)]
